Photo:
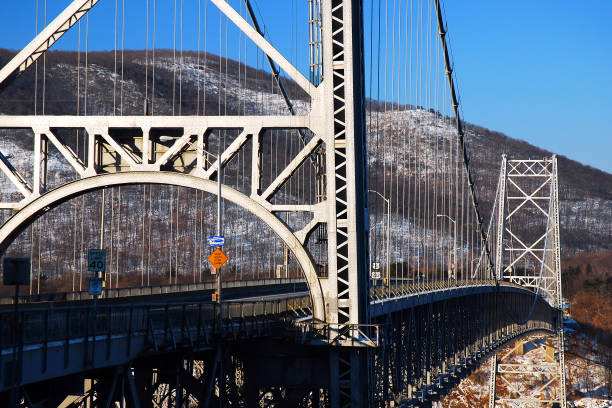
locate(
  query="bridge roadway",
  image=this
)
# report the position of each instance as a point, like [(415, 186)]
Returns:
[(58, 339)]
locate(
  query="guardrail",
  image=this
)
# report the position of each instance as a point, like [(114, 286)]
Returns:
[(413, 287), (54, 323), (402, 288), (144, 290), (159, 320)]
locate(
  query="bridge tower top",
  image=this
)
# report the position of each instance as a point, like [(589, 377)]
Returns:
[(526, 217)]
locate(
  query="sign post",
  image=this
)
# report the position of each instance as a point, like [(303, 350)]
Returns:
[(96, 263), (376, 271), (16, 271), (219, 231)]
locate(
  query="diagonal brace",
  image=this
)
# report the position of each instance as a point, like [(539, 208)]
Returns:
[(43, 41)]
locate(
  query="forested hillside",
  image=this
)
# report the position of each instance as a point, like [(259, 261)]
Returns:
[(211, 85)]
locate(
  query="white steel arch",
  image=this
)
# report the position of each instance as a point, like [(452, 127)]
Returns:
[(43, 203)]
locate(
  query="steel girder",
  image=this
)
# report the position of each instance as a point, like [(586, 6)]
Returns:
[(426, 349)]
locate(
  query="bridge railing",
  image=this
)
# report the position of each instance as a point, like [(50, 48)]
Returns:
[(60, 323), (108, 293), (412, 287), (52, 324)]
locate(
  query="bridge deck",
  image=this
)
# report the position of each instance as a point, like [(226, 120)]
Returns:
[(62, 337)]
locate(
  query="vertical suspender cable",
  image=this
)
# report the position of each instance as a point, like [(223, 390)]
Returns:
[(171, 242), (460, 133), (198, 62), (426, 146), (122, 55), (181, 64), (77, 134), (153, 58), (36, 68), (174, 60), (149, 216), (142, 253), (118, 237), (44, 90), (195, 236), (84, 151), (112, 237), (44, 94), (146, 98), (417, 182), (176, 241), (205, 54), (115, 65)]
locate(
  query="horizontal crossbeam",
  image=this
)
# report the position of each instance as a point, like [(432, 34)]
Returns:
[(96, 122)]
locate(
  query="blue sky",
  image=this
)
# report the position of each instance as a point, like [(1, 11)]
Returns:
[(536, 70), (539, 71)]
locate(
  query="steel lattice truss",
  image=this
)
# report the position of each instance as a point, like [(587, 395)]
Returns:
[(429, 341), (526, 226), (127, 149), (531, 385), (526, 247)]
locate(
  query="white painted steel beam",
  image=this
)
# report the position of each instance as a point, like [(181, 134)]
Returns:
[(125, 155), (13, 175), (46, 38), (265, 46), (64, 150), (175, 148), (142, 122), (229, 153), (291, 167)]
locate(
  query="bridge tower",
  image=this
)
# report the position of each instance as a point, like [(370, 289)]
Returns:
[(336, 119), (526, 247), (346, 291)]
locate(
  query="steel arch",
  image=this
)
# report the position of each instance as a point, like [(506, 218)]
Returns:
[(45, 202)]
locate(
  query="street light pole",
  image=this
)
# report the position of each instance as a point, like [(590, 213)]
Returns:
[(388, 235), (454, 240), (166, 138), (219, 226)]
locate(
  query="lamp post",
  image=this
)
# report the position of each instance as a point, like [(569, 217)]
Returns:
[(165, 138), (388, 234), (454, 240)]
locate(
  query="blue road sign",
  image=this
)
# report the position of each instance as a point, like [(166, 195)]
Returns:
[(216, 241), (95, 286)]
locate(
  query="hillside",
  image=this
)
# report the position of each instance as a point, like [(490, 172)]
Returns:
[(585, 193), (209, 84)]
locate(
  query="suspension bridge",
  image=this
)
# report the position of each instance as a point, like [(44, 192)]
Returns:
[(361, 270)]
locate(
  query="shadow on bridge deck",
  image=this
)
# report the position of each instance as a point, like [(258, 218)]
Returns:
[(425, 336)]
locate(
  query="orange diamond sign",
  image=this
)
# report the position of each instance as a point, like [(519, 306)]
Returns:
[(217, 258)]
